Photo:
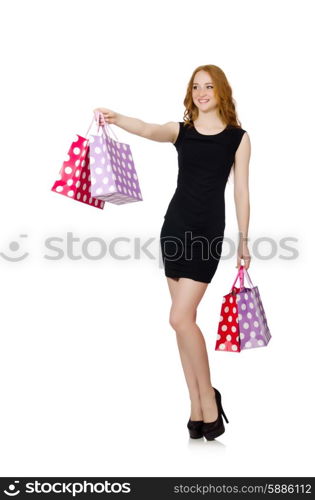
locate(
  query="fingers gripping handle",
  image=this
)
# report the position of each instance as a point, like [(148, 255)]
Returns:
[(96, 117)]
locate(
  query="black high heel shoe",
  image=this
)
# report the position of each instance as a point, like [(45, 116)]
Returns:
[(211, 430), (194, 427)]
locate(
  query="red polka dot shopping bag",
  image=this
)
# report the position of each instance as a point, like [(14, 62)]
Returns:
[(113, 173), (74, 180), (243, 323)]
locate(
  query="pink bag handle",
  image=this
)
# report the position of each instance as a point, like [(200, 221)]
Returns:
[(96, 116), (240, 274), (88, 130)]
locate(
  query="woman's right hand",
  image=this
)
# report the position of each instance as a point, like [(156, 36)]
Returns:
[(106, 115)]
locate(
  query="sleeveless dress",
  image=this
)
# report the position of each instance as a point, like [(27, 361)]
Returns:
[(192, 233)]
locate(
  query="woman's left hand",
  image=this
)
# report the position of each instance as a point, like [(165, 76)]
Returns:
[(243, 253)]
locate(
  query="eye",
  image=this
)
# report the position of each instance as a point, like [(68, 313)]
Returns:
[(195, 86)]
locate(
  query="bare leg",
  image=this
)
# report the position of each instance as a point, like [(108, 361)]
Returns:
[(187, 296), (190, 376)]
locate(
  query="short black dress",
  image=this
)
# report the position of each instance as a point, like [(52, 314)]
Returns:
[(192, 234)]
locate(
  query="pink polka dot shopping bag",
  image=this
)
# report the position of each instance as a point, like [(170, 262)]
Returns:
[(243, 324), (74, 180), (113, 174)]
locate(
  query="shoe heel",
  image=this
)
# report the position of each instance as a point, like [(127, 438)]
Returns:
[(218, 397), (211, 430), (225, 418)]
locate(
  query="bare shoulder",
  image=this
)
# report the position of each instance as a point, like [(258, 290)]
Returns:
[(171, 131), (246, 135), (174, 129), (244, 145), (243, 151), (245, 138)]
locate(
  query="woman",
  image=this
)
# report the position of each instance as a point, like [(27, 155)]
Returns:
[(209, 143)]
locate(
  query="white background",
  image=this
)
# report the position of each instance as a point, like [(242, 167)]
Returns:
[(91, 380)]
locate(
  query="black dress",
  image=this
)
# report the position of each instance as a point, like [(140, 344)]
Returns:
[(192, 234)]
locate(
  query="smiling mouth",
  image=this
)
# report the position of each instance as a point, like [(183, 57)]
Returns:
[(202, 101)]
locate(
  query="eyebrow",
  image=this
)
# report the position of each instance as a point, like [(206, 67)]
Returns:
[(205, 83)]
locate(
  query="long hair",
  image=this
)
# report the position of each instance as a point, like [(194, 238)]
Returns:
[(223, 93)]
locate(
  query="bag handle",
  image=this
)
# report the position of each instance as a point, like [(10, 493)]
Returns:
[(88, 130), (96, 116), (241, 273), (247, 276)]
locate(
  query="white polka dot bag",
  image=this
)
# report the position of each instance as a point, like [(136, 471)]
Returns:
[(74, 180), (243, 324), (113, 174)]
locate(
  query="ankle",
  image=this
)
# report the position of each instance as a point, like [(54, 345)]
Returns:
[(196, 416), (208, 398), (195, 411)]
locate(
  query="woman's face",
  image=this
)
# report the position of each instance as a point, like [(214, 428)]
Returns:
[(202, 91)]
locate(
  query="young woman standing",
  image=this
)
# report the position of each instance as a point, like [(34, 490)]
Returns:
[(209, 142)]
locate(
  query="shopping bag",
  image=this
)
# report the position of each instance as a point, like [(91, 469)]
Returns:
[(113, 174), (253, 326), (74, 180), (243, 323), (228, 335)]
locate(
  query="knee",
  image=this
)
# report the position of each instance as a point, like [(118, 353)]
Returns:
[(179, 319), (175, 320)]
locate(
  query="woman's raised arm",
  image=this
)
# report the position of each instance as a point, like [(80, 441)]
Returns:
[(167, 132)]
